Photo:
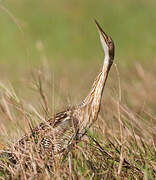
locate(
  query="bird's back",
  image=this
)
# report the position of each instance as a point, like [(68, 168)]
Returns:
[(46, 140)]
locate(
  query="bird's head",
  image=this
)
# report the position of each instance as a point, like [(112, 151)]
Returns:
[(107, 42)]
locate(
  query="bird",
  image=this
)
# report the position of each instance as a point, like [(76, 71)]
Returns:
[(60, 132)]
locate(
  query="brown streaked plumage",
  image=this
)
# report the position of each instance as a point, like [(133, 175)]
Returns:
[(58, 133)]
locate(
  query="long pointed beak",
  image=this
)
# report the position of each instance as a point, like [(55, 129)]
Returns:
[(100, 30)]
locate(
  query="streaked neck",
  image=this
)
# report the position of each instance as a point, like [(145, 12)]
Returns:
[(93, 100)]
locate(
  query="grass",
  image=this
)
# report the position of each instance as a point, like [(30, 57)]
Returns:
[(63, 47), (120, 145)]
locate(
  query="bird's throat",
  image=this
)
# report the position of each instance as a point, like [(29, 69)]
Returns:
[(92, 103)]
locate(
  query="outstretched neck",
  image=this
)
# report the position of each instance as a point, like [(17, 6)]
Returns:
[(93, 101), (88, 110)]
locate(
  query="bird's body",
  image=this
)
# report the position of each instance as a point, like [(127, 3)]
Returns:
[(58, 133)]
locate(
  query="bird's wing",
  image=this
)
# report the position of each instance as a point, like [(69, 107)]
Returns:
[(65, 127), (53, 135), (49, 138)]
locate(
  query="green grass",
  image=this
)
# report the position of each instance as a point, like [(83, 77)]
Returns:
[(68, 32)]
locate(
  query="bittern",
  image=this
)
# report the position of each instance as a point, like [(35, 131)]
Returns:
[(60, 132)]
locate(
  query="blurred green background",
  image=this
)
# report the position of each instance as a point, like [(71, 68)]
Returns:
[(65, 30)]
